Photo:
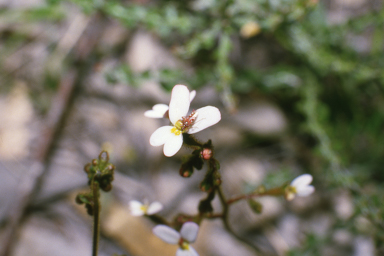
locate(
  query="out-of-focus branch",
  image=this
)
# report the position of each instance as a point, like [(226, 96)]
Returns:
[(33, 180)]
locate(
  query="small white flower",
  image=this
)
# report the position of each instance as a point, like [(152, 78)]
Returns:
[(300, 186), (139, 209), (171, 136), (159, 110), (187, 235)]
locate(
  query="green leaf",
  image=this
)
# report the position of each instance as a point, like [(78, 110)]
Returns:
[(256, 206)]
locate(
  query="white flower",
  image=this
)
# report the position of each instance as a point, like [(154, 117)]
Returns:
[(187, 235), (139, 209), (159, 110), (300, 186), (171, 136)]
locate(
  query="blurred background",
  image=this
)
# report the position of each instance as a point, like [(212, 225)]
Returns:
[(300, 85)]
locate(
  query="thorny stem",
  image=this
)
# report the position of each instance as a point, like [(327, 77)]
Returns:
[(96, 217)]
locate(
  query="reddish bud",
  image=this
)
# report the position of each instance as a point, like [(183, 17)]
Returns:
[(107, 187), (206, 154), (89, 209), (111, 167), (86, 167), (186, 171), (217, 182)]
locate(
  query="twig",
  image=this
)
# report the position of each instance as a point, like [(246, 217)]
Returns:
[(226, 222), (96, 218), (33, 180)]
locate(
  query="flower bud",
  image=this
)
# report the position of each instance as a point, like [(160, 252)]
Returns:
[(89, 209), (78, 199), (107, 187), (197, 162), (83, 199), (87, 167), (206, 205), (111, 167), (217, 181), (206, 153), (186, 170), (206, 187)]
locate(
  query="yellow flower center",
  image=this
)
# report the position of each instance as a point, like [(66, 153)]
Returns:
[(144, 208), (290, 193), (177, 129), (184, 245), (291, 189)]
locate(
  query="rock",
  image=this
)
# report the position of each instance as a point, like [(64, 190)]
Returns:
[(146, 53), (134, 233), (289, 230), (342, 237), (15, 117), (63, 233), (239, 171), (343, 205), (261, 118), (364, 246), (214, 240), (244, 219)]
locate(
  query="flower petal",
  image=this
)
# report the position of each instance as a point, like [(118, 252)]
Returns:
[(305, 190), (179, 105), (160, 136), (302, 180), (167, 234), (206, 116), (189, 231), (154, 208), (135, 207), (189, 252), (173, 144), (192, 95), (157, 111)]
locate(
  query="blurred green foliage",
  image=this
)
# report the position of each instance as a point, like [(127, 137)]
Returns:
[(331, 92)]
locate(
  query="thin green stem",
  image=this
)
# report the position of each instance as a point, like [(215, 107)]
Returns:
[(158, 219), (224, 203), (225, 206), (272, 192), (96, 218), (191, 141)]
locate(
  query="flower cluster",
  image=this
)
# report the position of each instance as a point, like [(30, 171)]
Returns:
[(185, 122), (171, 136)]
